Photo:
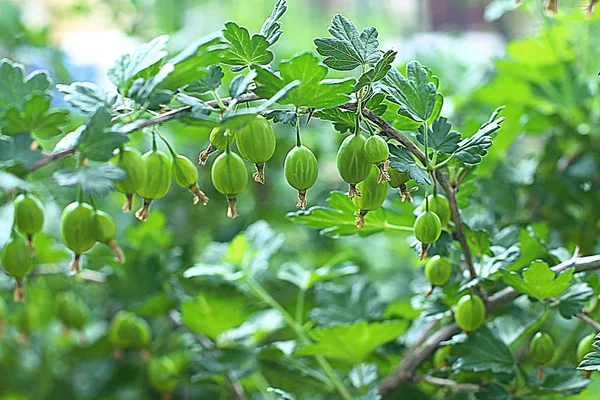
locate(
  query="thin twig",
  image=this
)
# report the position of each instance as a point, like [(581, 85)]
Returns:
[(450, 384), (161, 119), (588, 320)]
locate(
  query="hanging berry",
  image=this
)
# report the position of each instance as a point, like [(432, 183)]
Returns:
[(301, 171), (17, 262), (186, 176), (437, 271), (29, 216), (72, 311), (398, 180), (78, 228), (230, 177), (470, 312), (158, 180), (541, 349), (427, 229), (218, 141), (162, 374), (373, 195), (127, 330), (105, 232), (352, 163), (441, 355), (439, 205), (130, 160), (377, 152), (585, 346), (256, 143)]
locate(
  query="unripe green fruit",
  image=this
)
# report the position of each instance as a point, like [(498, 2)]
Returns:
[(230, 177), (186, 175), (256, 143), (398, 178), (439, 205), (585, 346), (16, 257), (71, 310), (157, 183), (184, 172), (218, 138), (105, 231), (162, 374), (376, 150), (127, 330), (301, 171), (541, 348), (78, 229), (158, 175), (29, 214), (440, 357), (130, 160), (352, 163), (428, 227), (28, 319), (470, 312), (438, 270), (372, 196)]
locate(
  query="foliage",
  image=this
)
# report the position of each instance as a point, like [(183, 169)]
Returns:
[(309, 304)]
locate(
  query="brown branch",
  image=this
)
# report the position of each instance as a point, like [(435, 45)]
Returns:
[(415, 356), (160, 119), (588, 320), (450, 384)]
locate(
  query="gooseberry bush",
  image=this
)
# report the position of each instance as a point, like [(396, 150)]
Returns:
[(241, 324)]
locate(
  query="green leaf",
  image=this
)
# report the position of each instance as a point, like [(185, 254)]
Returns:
[(336, 115), (271, 28), (190, 65), (479, 242), (87, 96), (128, 66), (96, 180), (440, 138), (378, 72), (376, 104), (591, 361), (214, 312), (239, 84), (305, 279), (15, 88), (96, 143), (352, 343), (338, 219), (283, 116), (539, 281), (314, 90), (16, 152), (337, 305), (403, 160), (564, 380), (415, 93), (494, 391), (484, 351), (348, 48), (35, 117), (211, 81), (9, 182), (573, 299), (363, 375), (281, 394), (142, 90), (472, 149), (245, 50)]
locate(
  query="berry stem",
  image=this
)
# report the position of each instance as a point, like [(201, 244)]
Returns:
[(171, 150), (298, 140)]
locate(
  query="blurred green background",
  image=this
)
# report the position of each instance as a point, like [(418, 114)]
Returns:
[(541, 174)]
